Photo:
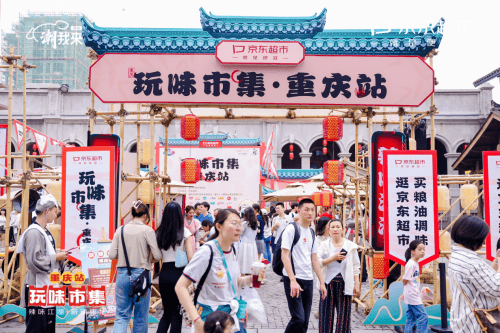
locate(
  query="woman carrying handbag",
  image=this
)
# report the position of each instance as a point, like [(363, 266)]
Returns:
[(177, 246), (132, 245)]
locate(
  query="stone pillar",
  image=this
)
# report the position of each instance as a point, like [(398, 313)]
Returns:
[(278, 161), (454, 189), (306, 160), (346, 155)]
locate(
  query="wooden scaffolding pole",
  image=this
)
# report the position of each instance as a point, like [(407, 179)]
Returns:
[(122, 114), (152, 160), (369, 258), (138, 139), (9, 175)]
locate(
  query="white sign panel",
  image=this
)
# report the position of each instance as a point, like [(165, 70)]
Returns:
[(230, 175), (410, 205), (491, 165), (88, 197)]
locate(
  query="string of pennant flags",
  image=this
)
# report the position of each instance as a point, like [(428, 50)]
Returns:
[(41, 139)]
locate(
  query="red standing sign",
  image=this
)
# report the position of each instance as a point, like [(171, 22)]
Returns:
[(410, 207)]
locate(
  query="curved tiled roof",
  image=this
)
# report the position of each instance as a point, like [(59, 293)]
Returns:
[(261, 26), (293, 173), (314, 39)]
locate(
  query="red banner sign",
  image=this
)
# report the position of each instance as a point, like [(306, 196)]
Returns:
[(260, 52), (210, 144), (491, 165), (410, 207), (318, 80)]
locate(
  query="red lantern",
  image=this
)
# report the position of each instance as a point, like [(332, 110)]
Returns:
[(325, 151), (324, 142), (190, 171), (316, 197), (333, 172), (326, 199), (291, 147), (380, 266), (333, 128), (190, 127), (291, 156)]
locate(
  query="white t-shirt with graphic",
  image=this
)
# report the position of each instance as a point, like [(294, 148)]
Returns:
[(301, 251), (216, 290), (412, 287)]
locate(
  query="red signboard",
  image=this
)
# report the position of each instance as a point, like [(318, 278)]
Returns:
[(210, 144), (491, 166), (410, 207), (260, 52), (318, 80), (380, 141)]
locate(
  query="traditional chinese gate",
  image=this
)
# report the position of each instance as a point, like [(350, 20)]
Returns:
[(238, 63)]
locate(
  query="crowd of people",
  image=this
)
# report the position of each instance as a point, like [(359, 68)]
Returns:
[(207, 263)]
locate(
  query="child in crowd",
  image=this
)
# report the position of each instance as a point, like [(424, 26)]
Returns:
[(411, 280), (205, 231), (218, 322)]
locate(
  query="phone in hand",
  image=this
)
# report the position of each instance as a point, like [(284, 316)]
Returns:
[(342, 252)]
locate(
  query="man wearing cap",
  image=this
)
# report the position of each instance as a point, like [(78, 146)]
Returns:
[(39, 250)]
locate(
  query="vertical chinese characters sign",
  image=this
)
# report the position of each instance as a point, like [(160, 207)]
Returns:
[(491, 165), (410, 210), (88, 197)]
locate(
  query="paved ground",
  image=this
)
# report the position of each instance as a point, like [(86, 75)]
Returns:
[(273, 297)]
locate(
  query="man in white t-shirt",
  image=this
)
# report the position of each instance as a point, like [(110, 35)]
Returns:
[(281, 221), (295, 211), (298, 280)]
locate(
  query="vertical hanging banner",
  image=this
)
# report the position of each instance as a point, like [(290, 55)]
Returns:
[(380, 141), (18, 127), (410, 207), (491, 166), (41, 141), (87, 198)]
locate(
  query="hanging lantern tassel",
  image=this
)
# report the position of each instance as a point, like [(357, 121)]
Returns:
[(190, 171), (333, 128), (380, 266), (333, 172), (326, 198), (316, 197), (443, 198), (190, 127), (468, 193)]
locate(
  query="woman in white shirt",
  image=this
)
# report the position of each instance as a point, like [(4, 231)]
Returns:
[(247, 250), (342, 278), (172, 236), (215, 268)]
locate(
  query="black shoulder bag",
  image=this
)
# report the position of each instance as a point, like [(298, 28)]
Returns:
[(142, 284)]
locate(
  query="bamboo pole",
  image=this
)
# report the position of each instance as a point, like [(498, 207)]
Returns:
[(462, 213), (152, 159), (138, 139), (433, 127), (369, 266), (165, 169), (92, 106), (122, 158), (384, 121), (111, 126), (9, 174)]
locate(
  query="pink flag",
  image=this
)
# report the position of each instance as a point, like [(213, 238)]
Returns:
[(41, 141), (18, 127), (269, 149), (273, 170)]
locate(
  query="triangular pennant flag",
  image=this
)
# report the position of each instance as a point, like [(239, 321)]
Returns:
[(18, 127), (54, 142), (41, 141)]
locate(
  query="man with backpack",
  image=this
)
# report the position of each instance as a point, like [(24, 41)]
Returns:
[(299, 240)]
